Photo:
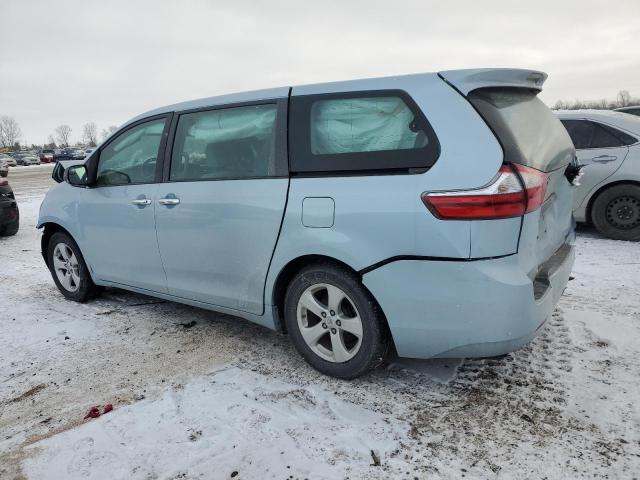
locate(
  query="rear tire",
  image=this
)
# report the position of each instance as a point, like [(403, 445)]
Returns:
[(68, 269), (616, 212), (341, 333)]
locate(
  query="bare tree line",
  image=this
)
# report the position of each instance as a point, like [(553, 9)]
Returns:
[(62, 135), (623, 99), (11, 134)]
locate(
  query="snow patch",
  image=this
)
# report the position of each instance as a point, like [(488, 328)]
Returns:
[(233, 420)]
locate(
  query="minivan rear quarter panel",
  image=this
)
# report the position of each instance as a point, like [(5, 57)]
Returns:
[(382, 214)]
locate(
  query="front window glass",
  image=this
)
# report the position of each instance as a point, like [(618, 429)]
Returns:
[(237, 142), (132, 156)]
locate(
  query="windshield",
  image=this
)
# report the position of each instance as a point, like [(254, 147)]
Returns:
[(529, 132)]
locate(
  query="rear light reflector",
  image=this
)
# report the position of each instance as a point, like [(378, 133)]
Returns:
[(505, 197)]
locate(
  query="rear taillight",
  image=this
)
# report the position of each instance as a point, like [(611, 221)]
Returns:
[(505, 197), (3, 183)]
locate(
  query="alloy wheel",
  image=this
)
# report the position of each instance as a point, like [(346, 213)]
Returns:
[(66, 266), (329, 323)]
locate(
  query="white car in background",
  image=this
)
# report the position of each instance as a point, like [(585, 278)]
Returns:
[(27, 159), (8, 160), (608, 144)]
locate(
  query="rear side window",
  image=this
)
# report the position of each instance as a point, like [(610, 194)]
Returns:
[(364, 131), (236, 142), (529, 132), (621, 137), (580, 132), (586, 134), (604, 137)]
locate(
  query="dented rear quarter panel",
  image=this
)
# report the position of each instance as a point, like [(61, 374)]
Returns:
[(381, 216)]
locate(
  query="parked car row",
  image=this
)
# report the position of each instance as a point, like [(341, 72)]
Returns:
[(71, 153), (26, 157)]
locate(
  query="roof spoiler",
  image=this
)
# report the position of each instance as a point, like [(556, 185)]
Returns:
[(466, 81)]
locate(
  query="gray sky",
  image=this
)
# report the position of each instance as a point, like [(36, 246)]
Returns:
[(74, 61)]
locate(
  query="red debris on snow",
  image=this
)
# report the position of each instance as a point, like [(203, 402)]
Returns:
[(94, 412)]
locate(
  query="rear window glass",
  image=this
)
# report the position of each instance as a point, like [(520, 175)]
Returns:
[(529, 132), (365, 131), (363, 125)]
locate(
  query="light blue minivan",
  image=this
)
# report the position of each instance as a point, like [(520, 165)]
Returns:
[(428, 214)]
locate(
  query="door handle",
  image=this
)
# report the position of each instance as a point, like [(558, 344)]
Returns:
[(169, 201), (604, 158), (141, 202)]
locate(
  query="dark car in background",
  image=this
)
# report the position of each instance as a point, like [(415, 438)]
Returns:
[(62, 154), (635, 110), (9, 214)]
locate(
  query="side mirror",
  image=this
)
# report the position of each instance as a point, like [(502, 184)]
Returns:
[(76, 175)]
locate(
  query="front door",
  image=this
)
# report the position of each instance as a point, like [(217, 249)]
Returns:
[(219, 214), (117, 214)]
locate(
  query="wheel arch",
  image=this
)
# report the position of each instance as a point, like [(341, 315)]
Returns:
[(601, 189), (49, 229), (287, 273)]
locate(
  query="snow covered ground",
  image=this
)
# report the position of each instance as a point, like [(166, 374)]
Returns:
[(227, 399)]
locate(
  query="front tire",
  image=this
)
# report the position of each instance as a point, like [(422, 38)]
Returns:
[(68, 268), (334, 322), (10, 230), (616, 212)]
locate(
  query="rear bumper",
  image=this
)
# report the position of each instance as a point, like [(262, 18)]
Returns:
[(468, 308)]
